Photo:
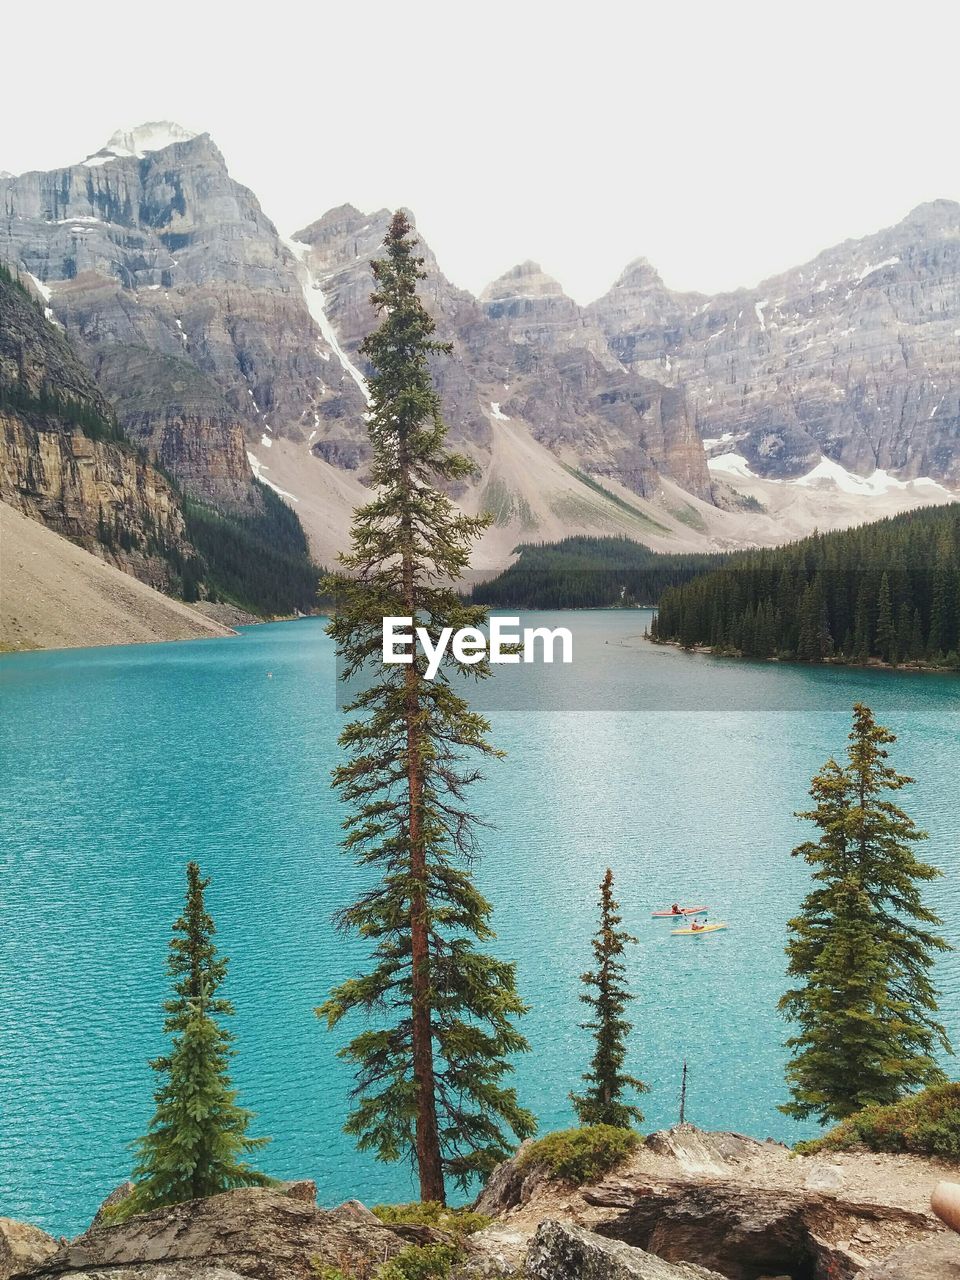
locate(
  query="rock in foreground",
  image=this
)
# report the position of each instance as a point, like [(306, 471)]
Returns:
[(252, 1234), (561, 1251), (22, 1246)]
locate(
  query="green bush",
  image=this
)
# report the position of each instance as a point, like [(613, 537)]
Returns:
[(421, 1262), (581, 1155), (428, 1213), (926, 1124)]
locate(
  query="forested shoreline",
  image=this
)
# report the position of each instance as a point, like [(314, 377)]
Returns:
[(884, 593)]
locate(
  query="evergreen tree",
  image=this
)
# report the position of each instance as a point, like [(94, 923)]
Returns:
[(607, 995), (197, 1140), (886, 645), (864, 943), (431, 1074)]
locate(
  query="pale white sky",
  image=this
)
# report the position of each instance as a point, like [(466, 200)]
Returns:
[(722, 141)]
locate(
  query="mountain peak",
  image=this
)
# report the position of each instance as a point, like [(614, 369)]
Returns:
[(934, 213), (639, 274), (138, 141), (526, 279)]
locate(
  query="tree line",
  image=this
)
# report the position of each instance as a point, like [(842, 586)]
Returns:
[(260, 562), (887, 592), (589, 573)]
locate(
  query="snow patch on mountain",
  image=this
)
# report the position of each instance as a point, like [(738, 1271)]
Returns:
[(137, 142), (313, 296), (734, 464), (867, 486), (258, 468), (868, 271)]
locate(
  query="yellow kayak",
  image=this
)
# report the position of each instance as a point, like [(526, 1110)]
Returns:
[(695, 933)]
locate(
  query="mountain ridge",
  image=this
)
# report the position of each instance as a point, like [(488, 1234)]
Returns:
[(230, 351)]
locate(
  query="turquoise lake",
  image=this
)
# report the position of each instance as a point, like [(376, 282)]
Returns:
[(681, 772)]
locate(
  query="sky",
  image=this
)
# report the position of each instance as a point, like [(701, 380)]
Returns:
[(722, 141)]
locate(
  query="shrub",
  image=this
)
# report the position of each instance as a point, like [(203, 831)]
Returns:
[(421, 1262), (927, 1123), (581, 1155), (428, 1213)]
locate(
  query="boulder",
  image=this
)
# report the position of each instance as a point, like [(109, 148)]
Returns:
[(561, 1251), (22, 1246), (250, 1234), (304, 1190)]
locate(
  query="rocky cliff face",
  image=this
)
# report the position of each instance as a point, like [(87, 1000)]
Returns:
[(855, 355), (98, 492)]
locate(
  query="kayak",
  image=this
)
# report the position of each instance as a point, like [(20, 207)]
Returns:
[(672, 915), (695, 933)]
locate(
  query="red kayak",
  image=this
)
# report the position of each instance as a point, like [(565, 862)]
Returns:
[(672, 915)]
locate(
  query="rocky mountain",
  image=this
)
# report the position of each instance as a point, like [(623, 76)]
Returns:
[(827, 396), (851, 361), (523, 351), (179, 295), (62, 460)]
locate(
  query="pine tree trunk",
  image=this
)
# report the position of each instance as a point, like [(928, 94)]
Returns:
[(429, 1163)]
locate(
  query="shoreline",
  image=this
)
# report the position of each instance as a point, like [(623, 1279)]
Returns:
[(873, 664)]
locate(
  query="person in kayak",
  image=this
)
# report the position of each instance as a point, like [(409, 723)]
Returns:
[(696, 926), (676, 909)]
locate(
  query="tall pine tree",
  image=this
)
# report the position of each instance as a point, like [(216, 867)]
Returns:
[(607, 995), (197, 1140), (862, 947), (431, 1072)]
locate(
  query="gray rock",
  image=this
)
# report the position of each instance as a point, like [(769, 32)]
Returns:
[(22, 1246), (252, 1232), (561, 1251), (934, 1259)]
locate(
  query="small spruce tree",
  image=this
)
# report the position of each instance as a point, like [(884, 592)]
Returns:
[(607, 995), (197, 1140), (863, 945)]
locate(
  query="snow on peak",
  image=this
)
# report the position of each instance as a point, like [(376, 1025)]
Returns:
[(137, 142)]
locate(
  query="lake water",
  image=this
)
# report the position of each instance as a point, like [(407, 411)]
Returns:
[(681, 772)]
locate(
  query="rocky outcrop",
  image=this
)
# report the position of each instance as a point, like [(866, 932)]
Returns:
[(745, 1232), (853, 355), (58, 462), (252, 1234), (739, 1207), (22, 1247), (561, 1251)]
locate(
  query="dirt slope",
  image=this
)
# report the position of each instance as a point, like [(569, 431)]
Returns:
[(55, 595)]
